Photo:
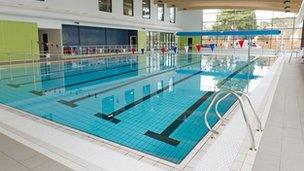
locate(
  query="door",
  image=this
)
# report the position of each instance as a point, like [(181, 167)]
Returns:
[(190, 42), (133, 41)]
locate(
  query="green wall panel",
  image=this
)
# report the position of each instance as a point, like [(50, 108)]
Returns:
[(142, 40), (19, 39), (183, 40)]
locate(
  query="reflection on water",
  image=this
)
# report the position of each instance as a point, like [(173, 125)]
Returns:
[(90, 74), (163, 94)]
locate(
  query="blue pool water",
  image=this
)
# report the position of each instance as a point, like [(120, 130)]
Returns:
[(150, 103)]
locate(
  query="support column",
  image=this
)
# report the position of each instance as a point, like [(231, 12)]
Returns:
[(302, 39)]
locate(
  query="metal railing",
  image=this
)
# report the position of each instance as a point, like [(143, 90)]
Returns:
[(238, 95), (97, 49)]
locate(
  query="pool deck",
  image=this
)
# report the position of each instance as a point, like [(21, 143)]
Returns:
[(282, 143), (17, 156)]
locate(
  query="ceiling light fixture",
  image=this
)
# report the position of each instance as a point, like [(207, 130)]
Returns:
[(286, 5)]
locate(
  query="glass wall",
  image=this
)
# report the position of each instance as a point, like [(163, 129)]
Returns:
[(105, 5), (158, 40), (146, 8), (128, 7), (221, 20), (160, 12)]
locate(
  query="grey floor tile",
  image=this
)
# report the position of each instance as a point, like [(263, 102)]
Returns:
[(51, 166), (265, 167), (282, 144), (6, 162), (17, 167), (15, 156), (36, 161)]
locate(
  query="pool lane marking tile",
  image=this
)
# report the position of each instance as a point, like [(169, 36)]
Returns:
[(72, 102), (165, 135), (61, 77), (127, 107), (131, 105), (113, 120)]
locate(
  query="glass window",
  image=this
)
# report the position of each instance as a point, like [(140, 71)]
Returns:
[(172, 15), (105, 5), (253, 19), (128, 7), (146, 7), (160, 12)]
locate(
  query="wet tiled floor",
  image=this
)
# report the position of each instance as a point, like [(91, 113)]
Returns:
[(282, 144), (15, 156)]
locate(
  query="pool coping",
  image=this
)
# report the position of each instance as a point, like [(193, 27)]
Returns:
[(115, 149)]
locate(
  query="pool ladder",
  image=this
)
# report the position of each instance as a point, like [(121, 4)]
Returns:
[(238, 95)]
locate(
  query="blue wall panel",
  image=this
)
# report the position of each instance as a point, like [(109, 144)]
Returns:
[(92, 36), (70, 35), (83, 35)]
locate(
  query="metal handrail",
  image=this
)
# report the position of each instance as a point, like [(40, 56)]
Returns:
[(250, 103), (237, 94)]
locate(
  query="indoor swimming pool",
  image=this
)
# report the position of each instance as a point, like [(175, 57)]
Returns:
[(150, 103)]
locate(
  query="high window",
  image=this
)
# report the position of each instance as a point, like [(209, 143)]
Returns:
[(146, 8), (172, 15), (128, 7), (160, 12), (105, 5)]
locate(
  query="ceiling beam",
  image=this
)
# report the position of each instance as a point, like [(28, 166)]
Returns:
[(276, 5)]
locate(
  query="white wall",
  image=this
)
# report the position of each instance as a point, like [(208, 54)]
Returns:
[(191, 20), (53, 13)]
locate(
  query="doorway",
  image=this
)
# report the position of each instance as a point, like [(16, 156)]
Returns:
[(45, 42), (133, 41), (190, 43), (50, 43)]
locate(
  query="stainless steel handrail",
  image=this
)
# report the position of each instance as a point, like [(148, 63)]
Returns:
[(250, 103), (237, 94)]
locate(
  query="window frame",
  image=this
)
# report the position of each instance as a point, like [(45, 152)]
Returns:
[(163, 12), (149, 16), (100, 4), (124, 9), (174, 15)]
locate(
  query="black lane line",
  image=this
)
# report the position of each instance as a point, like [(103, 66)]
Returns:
[(165, 135), (220, 84), (110, 117), (72, 75), (40, 93), (71, 103)]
